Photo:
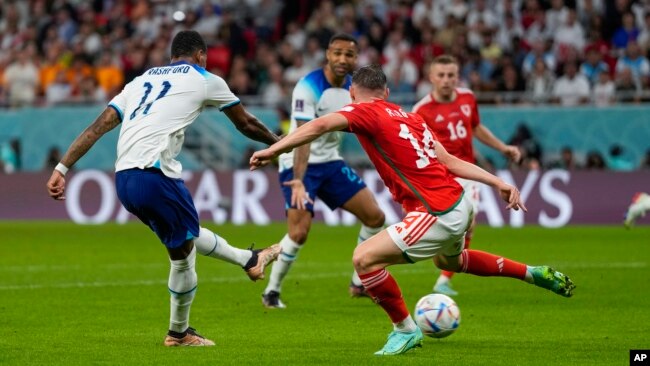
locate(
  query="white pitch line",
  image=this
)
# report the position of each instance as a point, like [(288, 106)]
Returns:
[(301, 276), (163, 282)]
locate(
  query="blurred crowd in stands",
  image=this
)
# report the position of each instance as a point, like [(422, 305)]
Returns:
[(560, 52), (569, 52)]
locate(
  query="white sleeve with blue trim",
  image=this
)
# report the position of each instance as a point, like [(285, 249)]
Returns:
[(119, 102), (303, 101), (218, 93)]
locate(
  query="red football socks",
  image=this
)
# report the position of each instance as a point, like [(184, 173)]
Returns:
[(481, 263), (384, 290)]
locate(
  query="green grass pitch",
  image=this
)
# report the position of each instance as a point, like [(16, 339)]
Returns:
[(97, 295)]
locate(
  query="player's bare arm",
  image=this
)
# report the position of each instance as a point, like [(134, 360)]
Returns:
[(486, 136), (466, 170), (302, 135), (300, 162), (249, 125), (108, 120)]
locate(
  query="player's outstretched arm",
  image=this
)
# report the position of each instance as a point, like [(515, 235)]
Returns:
[(486, 136), (302, 135), (249, 125), (106, 121), (300, 162), (466, 170)]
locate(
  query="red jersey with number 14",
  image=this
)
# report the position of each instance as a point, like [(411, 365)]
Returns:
[(400, 145), (452, 122)]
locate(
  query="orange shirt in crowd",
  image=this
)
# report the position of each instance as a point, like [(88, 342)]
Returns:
[(110, 78)]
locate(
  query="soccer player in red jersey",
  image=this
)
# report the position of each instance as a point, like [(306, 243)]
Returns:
[(420, 175), (452, 114)]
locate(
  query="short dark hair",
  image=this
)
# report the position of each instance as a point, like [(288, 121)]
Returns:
[(343, 37), (370, 77), (187, 42)]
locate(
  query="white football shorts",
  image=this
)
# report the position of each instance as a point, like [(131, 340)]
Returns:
[(472, 191), (421, 235)]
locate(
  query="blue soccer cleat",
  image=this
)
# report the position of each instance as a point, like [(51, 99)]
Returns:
[(399, 342), (445, 289)]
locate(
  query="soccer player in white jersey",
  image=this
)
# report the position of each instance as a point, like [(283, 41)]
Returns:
[(317, 169), (154, 111), (639, 206)]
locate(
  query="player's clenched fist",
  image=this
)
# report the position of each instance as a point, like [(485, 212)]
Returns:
[(261, 158), (56, 186)]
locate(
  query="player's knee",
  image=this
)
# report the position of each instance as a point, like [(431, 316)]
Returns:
[(446, 263), (376, 220), (360, 261), (298, 235)]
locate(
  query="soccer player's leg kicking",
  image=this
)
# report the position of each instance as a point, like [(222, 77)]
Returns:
[(422, 236), (165, 205)]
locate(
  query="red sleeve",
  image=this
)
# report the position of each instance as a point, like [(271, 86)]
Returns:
[(476, 119), (357, 116)]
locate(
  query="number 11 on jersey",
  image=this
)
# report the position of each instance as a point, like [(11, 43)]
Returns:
[(147, 90)]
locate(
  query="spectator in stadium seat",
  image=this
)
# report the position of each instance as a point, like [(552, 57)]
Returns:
[(539, 51), (604, 91), (566, 160), (65, 25), (510, 86), (457, 8), (618, 159), (490, 50), (636, 63), (588, 10), (556, 15), (90, 92), (628, 32), (274, 92), (530, 148), (480, 19), (59, 91), (367, 54), (644, 36), (595, 161), (538, 30), (628, 89), (539, 83), (397, 45), (568, 35), (402, 73), (297, 70), (593, 66), (52, 65), (296, 36), (21, 79), (422, 52), (109, 74), (508, 30), (572, 88), (209, 21), (429, 12)]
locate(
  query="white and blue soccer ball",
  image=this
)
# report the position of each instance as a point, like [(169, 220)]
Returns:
[(437, 315)]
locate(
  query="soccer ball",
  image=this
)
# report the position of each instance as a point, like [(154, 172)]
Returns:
[(437, 315)]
